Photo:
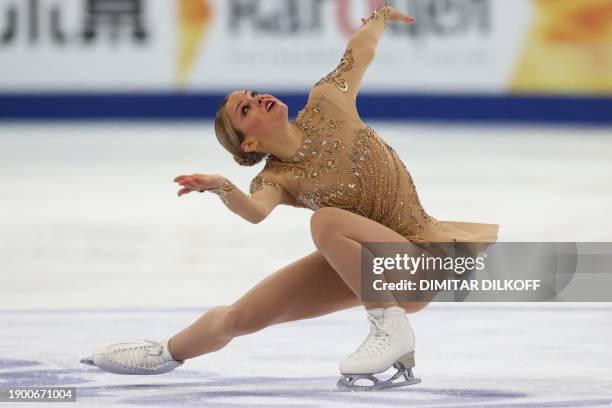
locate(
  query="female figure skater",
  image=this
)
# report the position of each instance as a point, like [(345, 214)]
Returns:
[(329, 161)]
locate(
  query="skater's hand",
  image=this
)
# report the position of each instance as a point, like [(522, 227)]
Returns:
[(198, 182), (396, 15)]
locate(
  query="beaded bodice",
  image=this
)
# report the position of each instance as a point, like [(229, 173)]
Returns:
[(343, 163)]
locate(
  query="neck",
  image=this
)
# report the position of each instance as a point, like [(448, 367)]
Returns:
[(288, 143)]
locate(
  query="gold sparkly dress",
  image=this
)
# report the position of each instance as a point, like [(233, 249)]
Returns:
[(343, 163)]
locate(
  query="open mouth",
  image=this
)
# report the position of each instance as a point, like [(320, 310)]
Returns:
[(270, 105)]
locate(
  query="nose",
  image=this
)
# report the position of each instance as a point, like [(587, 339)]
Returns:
[(260, 101)]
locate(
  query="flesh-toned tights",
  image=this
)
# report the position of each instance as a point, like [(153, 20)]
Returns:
[(325, 281)]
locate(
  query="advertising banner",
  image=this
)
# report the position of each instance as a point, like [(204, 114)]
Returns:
[(491, 60), (464, 46)]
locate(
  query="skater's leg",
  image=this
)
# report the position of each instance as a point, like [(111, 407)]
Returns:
[(338, 235), (291, 293), (294, 292)]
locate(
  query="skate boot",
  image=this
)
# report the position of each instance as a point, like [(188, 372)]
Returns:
[(146, 358), (390, 343)]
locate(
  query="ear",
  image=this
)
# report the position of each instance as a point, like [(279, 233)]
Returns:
[(249, 146)]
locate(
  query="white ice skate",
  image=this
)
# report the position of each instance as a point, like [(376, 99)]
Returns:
[(146, 358), (390, 343)]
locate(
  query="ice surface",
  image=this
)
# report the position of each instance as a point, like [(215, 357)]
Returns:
[(468, 355)]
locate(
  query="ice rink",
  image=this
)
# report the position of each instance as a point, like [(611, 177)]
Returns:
[(95, 247)]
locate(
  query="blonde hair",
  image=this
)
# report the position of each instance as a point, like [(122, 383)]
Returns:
[(231, 138)]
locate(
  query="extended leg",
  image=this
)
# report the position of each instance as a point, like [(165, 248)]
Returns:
[(292, 293)]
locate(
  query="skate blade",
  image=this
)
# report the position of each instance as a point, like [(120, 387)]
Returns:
[(88, 361), (345, 384)]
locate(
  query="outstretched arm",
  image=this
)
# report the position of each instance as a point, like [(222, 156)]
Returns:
[(264, 194), (360, 52), (367, 37)]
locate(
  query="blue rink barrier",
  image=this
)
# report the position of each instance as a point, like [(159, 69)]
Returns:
[(591, 110)]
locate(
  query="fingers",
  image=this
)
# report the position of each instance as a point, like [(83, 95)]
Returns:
[(184, 177), (403, 18), (192, 183), (185, 180), (183, 191), (198, 182), (188, 183)]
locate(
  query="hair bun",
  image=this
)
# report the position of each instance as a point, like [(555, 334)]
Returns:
[(249, 159)]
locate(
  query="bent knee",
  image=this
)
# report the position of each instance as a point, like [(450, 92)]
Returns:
[(323, 225), (237, 321)]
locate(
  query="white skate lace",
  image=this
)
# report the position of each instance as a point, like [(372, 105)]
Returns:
[(134, 356), (375, 341)]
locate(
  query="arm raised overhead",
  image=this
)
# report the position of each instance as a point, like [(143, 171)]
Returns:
[(345, 80), (359, 53)]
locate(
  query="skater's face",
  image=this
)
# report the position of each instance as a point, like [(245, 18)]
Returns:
[(255, 114)]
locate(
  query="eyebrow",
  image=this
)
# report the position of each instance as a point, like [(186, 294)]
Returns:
[(237, 106)]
